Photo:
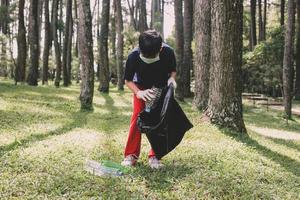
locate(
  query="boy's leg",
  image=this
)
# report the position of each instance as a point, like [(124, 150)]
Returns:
[(133, 145)]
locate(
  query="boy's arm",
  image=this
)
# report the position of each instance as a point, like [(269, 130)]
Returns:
[(132, 86)]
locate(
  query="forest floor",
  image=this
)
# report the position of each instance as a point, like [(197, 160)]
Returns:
[(45, 141)]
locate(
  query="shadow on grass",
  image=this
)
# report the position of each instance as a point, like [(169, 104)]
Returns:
[(165, 178), (270, 119), (287, 143), (286, 162), (79, 119)]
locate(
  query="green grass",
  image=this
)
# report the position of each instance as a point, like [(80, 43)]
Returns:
[(45, 140)]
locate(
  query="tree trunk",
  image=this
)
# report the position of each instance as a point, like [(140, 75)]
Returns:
[(47, 44), (225, 98), (22, 46), (113, 35), (67, 42), (288, 61), (76, 45), (179, 41), (253, 38), (143, 16), (297, 83), (188, 54), (103, 51), (86, 54), (4, 29), (264, 31), (282, 12), (32, 78), (156, 16), (69, 53), (260, 21), (55, 41), (120, 44), (202, 19)]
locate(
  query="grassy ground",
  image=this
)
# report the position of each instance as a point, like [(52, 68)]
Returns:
[(45, 140)]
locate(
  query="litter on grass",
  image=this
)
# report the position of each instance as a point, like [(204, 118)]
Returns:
[(105, 168)]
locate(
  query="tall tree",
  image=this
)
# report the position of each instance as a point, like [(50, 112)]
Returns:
[(253, 38), (103, 51), (202, 17), (86, 54), (288, 60), (22, 46), (113, 35), (143, 16), (47, 43), (225, 98), (297, 82), (188, 54), (33, 74), (264, 31), (120, 44), (260, 21), (5, 30), (157, 15), (76, 43), (282, 12), (55, 41), (179, 43), (67, 46)]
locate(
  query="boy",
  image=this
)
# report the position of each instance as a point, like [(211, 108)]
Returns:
[(153, 63)]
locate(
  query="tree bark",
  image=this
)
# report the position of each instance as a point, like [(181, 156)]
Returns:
[(282, 12), (103, 51), (4, 29), (179, 41), (67, 42), (297, 81), (22, 46), (156, 16), (143, 16), (253, 38), (188, 54), (288, 61), (113, 35), (202, 17), (32, 78), (225, 98), (56, 43), (47, 44), (76, 45), (264, 31), (86, 54), (120, 44), (260, 21)]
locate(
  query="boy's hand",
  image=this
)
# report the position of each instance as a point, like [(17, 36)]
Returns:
[(146, 95)]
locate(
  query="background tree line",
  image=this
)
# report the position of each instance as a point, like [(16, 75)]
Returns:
[(222, 48)]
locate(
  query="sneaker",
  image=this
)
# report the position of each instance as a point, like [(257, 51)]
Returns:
[(155, 163), (129, 161)]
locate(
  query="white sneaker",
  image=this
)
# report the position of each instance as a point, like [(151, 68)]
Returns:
[(155, 163), (129, 161)]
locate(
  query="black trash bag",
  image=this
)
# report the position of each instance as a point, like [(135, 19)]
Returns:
[(165, 124)]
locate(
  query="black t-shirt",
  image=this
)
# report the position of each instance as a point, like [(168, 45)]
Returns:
[(154, 74)]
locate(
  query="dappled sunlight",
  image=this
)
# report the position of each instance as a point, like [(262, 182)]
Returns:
[(99, 100), (275, 133), (3, 104), (23, 131), (77, 139)]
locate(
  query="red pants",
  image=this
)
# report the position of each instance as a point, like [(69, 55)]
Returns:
[(133, 146)]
